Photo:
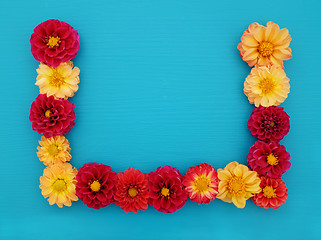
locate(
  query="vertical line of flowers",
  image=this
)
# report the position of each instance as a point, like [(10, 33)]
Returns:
[(54, 43), (265, 48)]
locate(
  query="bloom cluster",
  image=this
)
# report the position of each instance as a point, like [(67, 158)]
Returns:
[(54, 43), (267, 86)]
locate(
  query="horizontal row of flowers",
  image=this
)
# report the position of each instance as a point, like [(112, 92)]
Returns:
[(165, 189)]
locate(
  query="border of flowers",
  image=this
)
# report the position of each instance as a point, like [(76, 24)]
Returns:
[(55, 43)]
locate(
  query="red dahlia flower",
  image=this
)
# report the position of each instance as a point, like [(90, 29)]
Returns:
[(201, 183), (269, 123), (166, 190), (50, 116), (54, 42), (132, 190), (269, 159), (273, 194), (96, 185)]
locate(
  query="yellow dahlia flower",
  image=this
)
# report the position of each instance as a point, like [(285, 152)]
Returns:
[(237, 184), (61, 82), (59, 184), (53, 150), (266, 86), (265, 45)]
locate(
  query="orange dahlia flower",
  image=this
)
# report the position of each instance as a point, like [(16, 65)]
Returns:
[(54, 150), (201, 183), (266, 86), (264, 46), (59, 184), (237, 184)]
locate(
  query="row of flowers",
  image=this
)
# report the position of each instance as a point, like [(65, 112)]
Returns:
[(55, 43)]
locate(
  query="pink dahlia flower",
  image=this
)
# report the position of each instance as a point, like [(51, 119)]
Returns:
[(132, 190), (269, 159), (269, 123), (50, 116), (96, 185), (54, 42), (166, 190), (201, 183), (274, 193)]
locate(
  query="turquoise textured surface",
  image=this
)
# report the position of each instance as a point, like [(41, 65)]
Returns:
[(161, 84)]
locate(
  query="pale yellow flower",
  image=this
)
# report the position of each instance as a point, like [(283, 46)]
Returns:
[(237, 184), (59, 184), (266, 86), (53, 150), (264, 46), (61, 82)]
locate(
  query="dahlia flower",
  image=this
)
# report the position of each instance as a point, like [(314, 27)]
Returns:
[(61, 82), (237, 184), (96, 185), (166, 190), (274, 193), (50, 116), (269, 123), (58, 183), (54, 42), (266, 86), (53, 150), (132, 190), (269, 159), (201, 183), (264, 46)]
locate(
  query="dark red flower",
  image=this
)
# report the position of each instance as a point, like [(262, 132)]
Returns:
[(166, 190), (50, 116), (96, 185), (269, 159), (54, 42), (269, 123), (274, 193), (132, 190)]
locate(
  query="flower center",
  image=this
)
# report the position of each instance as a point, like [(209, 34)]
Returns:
[(53, 42), (53, 149), (265, 49), (267, 85), (272, 124), (269, 192), (95, 186), (59, 185), (272, 159), (47, 113), (132, 192), (236, 185), (202, 184), (165, 192), (56, 79)]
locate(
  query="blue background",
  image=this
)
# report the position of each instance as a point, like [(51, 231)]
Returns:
[(161, 83)]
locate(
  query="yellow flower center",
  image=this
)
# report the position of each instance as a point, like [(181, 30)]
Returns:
[(236, 185), (265, 49), (56, 79), (47, 113), (53, 42), (95, 186), (132, 192), (53, 149), (202, 184), (267, 85), (272, 159), (272, 124), (269, 192), (59, 185), (165, 192)]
